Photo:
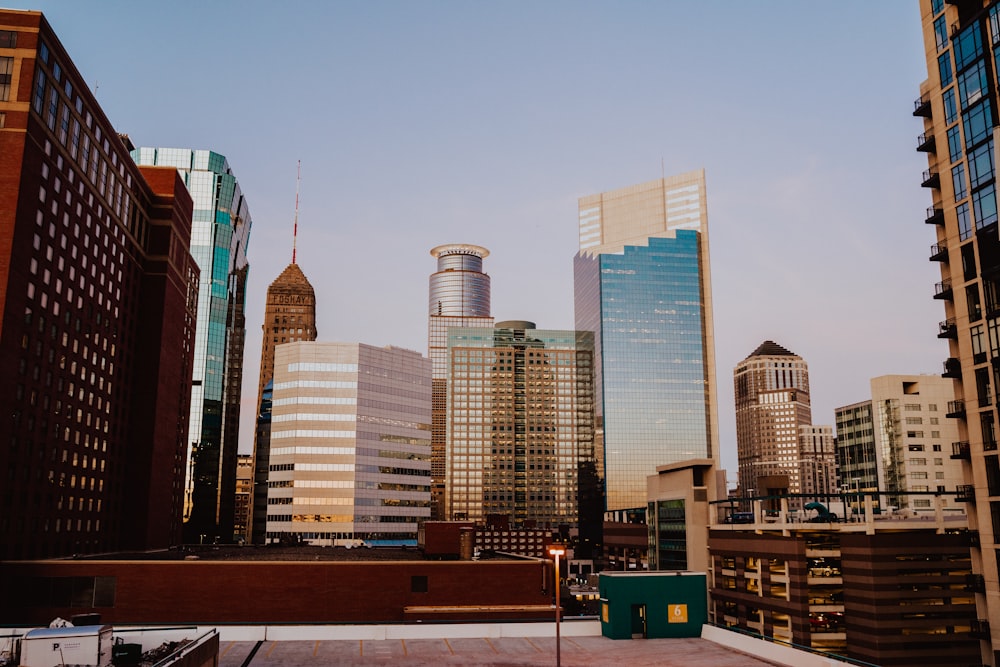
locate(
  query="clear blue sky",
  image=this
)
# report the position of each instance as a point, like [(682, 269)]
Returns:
[(421, 123)]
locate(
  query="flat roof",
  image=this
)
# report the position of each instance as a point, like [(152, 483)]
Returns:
[(282, 553), (586, 651)]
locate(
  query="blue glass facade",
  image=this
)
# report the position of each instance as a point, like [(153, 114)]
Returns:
[(648, 310), (219, 236)]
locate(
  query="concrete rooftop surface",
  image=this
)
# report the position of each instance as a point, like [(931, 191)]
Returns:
[(584, 651)]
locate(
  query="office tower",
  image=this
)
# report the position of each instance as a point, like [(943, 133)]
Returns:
[(900, 440), (642, 285), (520, 426), (778, 448), (244, 497), (958, 105), (221, 230), (350, 433), (97, 305), (459, 297), (289, 316)]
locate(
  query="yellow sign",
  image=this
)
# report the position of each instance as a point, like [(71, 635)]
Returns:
[(678, 613), (604, 611)]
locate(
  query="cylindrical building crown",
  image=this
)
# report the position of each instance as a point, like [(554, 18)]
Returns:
[(459, 287)]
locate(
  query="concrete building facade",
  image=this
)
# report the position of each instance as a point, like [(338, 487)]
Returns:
[(98, 295), (901, 440), (350, 444), (889, 592)]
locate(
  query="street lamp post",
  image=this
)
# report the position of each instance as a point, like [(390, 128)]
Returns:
[(557, 550)]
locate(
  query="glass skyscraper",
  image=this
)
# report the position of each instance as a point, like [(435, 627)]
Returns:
[(459, 296), (220, 232), (642, 286), (520, 424)]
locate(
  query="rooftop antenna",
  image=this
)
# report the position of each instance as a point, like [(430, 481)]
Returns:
[(663, 168), (295, 230)]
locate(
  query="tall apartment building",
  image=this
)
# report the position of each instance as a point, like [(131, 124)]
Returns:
[(520, 424), (958, 105), (350, 444), (289, 316), (459, 297), (778, 448), (901, 441), (642, 285), (98, 292), (219, 237)]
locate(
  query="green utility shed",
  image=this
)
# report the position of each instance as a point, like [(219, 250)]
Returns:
[(653, 604)]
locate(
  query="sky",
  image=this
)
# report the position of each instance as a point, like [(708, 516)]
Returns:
[(439, 121)]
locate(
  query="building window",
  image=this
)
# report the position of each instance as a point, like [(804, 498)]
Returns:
[(986, 425), (6, 73), (983, 387), (981, 166), (978, 340), (977, 123), (972, 85), (968, 46), (39, 99), (950, 108), (958, 181), (972, 299), (944, 69), (941, 32), (984, 207), (964, 221), (954, 143), (992, 474)]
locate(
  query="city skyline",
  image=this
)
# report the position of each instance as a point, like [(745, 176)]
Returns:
[(813, 196)]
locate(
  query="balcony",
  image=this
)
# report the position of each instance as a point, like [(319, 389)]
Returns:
[(974, 541), (925, 142), (975, 583), (952, 368), (990, 445), (960, 450), (930, 179), (948, 329), (965, 493), (939, 253), (942, 290), (935, 215), (922, 106), (979, 629), (956, 410)]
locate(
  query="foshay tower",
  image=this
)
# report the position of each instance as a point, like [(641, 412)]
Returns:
[(289, 316)]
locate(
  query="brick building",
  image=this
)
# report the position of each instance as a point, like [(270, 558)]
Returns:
[(97, 297)]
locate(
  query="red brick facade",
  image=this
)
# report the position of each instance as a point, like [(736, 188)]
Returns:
[(267, 592), (97, 290)]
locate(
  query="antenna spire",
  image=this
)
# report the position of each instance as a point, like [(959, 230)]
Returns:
[(295, 230)]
